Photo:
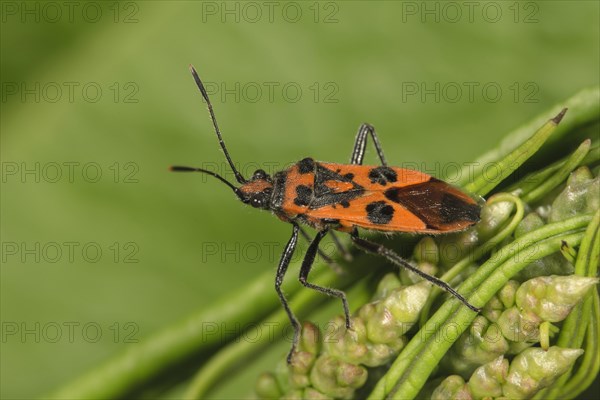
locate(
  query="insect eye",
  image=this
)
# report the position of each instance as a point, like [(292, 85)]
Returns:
[(256, 202), (259, 174)]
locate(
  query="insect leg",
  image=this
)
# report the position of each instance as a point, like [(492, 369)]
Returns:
[(309, 258), (334, 266), (284, 262), (360, 144), (375, 248)]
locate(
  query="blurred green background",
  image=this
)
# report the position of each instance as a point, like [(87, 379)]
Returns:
[(102, 246)]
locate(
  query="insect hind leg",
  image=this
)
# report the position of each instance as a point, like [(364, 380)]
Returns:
[(309, 258), (328, 260), (284, 262), (360, 144), (378, 249)]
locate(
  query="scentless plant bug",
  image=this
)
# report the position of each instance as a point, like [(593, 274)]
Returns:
[(344, 197)]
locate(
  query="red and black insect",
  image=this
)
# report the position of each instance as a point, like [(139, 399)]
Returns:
[(344, 197)]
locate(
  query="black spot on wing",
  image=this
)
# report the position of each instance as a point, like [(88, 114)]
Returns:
[(345, 203), (383, 175), (379, 212), (306, 165), (303, 195)]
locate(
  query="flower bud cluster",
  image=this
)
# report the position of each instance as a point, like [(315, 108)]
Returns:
[(510, 322), (530, 371), (334, 365)]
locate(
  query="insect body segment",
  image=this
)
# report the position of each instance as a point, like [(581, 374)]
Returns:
[(345, 197)]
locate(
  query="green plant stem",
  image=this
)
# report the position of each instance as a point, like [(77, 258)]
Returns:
[(533, 180), (484, 183), (574, 327), (590, 364), (231, 356), (584, 109), (155, 355), (480, 251), (409, 354), (560, 176)]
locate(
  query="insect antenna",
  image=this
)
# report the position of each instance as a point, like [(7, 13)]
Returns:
[(177, 168), (238, 176)]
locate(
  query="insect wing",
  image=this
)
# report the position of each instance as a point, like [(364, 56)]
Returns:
[(398, 199)]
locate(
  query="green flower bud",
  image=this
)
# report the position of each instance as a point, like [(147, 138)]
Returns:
[(369, 310), (391, 317), (305, 356), (455, 246), (493, 341), (310, 338), (452, 388), (519, 326), (482, 343), (337, 378), (487, 380), (322, 375), (535, 369), (551, 298), (573, 199), (266, 386), (579, 176), (405, 304), (493, 217), (505, 298), (349, 345), (531, 222), (554, 264), (382, 327), (300, 366), (314, 394), (385, 321), (389, 282), (427, 251), (350, 375), (380, 353), (493, 309), (508, 293)]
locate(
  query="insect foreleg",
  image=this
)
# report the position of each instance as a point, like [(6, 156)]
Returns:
[(375, 248), (360, 144), (309, 258), (284, 262)]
